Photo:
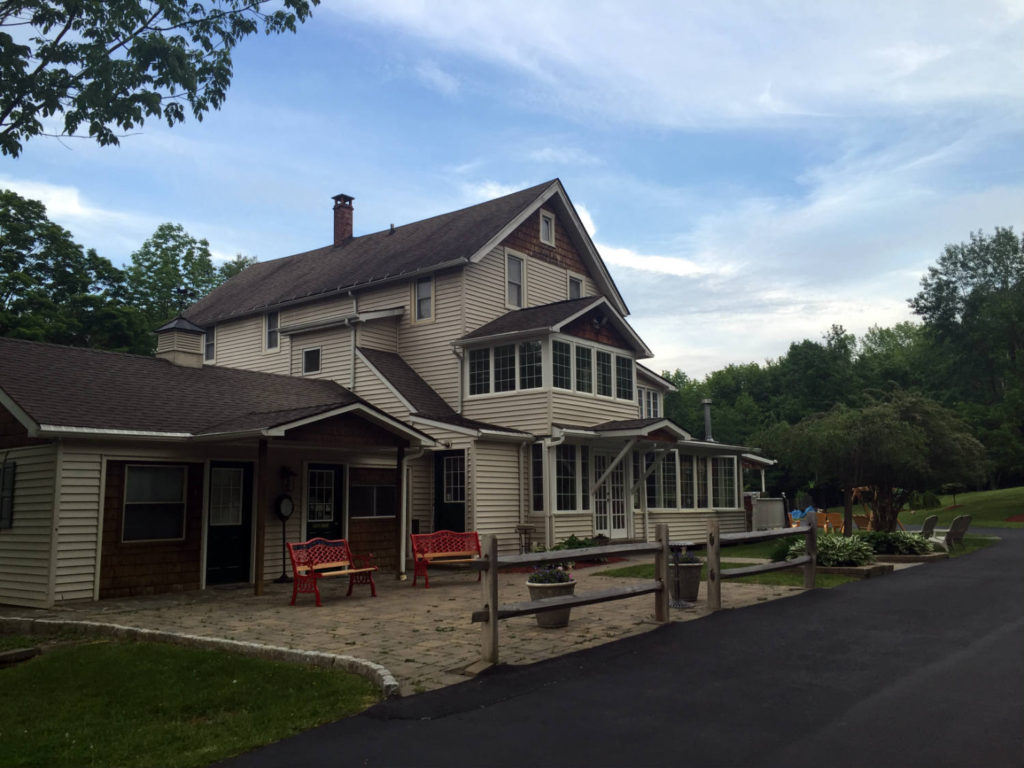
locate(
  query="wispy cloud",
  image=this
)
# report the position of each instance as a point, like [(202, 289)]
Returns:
[(563, 156), (432, 75)]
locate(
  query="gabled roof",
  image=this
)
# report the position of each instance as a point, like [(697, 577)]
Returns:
[(449, 240), (67, 390), (552, 318), (664, 384), (420, 397)]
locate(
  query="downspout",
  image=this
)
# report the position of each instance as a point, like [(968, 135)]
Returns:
[(404, 502), (352, 346), (459, 352), (549, 444)]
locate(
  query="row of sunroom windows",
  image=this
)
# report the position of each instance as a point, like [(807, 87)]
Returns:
[(678, 481), (575, 367)]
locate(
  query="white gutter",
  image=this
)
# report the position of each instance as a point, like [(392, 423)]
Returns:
[(56, 431)]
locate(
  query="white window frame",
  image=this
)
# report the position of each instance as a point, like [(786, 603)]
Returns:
[(414, 316), (712, 485), (320, 360), (549, 217), (571, 277), (210, 345), (521, 258), (267, 330)]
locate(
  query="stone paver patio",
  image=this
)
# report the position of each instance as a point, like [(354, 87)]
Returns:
[(424, 637)]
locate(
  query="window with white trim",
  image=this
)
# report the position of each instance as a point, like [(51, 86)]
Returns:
[(661, 483), (723, 481), (572, 478), (514, 277), (575, 287), (537, 476), (531, 365), (604, 373), (311, 360), (649, 402), (584, 362), (505, 368), (623, 377), (561, 365), (701, 474), (209, 345), (273, 335), (424, 296), (547, 228), (226, 494), (686, 483), (154, 502)]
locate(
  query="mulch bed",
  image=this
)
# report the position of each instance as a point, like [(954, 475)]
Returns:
[(578, 565), (1015, 519)]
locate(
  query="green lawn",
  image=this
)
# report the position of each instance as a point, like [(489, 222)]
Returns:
[(988, 509), (140, 704), (773, 578)]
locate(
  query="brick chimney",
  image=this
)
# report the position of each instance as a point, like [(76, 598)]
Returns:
[(342, 218)]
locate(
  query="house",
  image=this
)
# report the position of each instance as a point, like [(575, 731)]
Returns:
[(474, 370)]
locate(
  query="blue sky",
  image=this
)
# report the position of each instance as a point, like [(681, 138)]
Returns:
[(751, 172)]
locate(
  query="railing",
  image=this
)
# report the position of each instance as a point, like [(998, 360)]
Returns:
[(492, 611), (716, 540), (490, 563)]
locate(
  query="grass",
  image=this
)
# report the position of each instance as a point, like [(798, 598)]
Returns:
[(988, 509), (112, 703), (972, 544), (16, 642), (773, 578)]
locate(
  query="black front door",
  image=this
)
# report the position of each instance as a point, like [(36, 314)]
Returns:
[(229, 532), (325, 489), (450, 491)]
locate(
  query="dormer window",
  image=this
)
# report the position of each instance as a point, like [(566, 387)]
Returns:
[(424, 295), (547, 228)]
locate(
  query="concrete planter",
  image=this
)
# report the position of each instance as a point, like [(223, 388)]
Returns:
[(684, 579), (558, 617)]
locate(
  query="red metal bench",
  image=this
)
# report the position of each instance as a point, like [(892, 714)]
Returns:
[(442, 547), (319, 558)]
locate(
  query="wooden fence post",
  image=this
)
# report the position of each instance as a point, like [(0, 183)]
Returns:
[(489, 585), (661, 557), (714, 567), (812, 551)]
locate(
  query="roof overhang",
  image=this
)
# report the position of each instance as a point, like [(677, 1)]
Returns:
[(19, 413), (664, 384)]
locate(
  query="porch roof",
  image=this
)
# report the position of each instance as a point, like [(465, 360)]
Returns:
[(54, 390)]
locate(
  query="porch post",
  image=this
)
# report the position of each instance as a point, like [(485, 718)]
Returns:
[(262, 505), (400, 512)]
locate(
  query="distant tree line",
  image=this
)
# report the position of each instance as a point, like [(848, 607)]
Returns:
[(902, 409), (54, 290)]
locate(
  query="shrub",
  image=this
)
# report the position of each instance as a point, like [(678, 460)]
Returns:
[(780, 550), (896, 543), (926, 500), (835, 550), (573, 542)]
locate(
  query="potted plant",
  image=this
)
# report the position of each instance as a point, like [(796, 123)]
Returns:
[(684, 577), (547, 582)]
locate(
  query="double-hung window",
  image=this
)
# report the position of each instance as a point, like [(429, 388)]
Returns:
[(584, 369), (514, 278), (723, 477), (154, 502), (572, 478), (623, 377), (273, 334), (547, 228), (209, 345), (561, 364), (531, 366), (604, 373), (424, 298), (479, 371), (505, 368)]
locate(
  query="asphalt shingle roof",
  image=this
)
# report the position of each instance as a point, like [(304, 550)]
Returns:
[(532, 318), (74, 387), (362, 260)]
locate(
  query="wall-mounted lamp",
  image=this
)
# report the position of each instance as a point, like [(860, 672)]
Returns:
[(287, 479)]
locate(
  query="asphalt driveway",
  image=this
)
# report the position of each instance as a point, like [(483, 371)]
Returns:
[(921, 668)]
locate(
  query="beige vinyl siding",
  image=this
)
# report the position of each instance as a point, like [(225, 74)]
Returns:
[(545, 283), (397, 294), (690, 525), (529, 411), (496, 492), (485, 290), (581, 409), (25, 547), (378, 334), (566, 524), (78, 525), (240, 345), (372, 388), (421, 493), (317, 311), (335, 354), (180, 341), (426, 346)]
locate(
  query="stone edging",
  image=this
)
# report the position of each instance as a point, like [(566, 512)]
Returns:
[(374, 672), (858, 571), (929, 558)]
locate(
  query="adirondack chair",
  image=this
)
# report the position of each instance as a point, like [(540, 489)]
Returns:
[(928, 529), (954, 537)]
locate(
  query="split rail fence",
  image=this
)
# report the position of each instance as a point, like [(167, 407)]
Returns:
[(490, 564)]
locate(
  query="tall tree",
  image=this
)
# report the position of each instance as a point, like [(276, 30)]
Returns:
[(169, 272), (51, 290), (229, 269), (110, 64), (896, 446)]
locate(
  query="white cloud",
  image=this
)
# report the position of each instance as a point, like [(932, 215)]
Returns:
[(436, 78), (564, 156), (488, 190)]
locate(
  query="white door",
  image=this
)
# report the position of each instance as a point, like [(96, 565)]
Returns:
[(610, 498)]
